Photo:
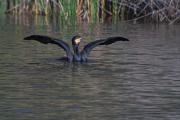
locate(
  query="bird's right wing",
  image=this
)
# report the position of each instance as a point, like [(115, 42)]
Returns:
[(106, 41), (46, 40)]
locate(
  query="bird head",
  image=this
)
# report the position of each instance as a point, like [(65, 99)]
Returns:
[(76, 40)]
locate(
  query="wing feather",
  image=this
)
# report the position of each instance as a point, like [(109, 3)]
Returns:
[(46, 40), (87, 48)]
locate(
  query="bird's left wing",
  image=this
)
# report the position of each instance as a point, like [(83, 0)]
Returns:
[(46, 40), (87, 48)]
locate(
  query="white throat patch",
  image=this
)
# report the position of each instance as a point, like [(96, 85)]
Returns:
[(78, 40)]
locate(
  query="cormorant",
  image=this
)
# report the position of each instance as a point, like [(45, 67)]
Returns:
[(76, 55)]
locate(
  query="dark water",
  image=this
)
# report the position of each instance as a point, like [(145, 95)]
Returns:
[(136, 80)]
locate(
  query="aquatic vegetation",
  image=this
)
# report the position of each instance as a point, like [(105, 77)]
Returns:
[(149, 10)]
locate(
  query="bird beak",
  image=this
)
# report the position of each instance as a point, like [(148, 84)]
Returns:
[(77, 41)]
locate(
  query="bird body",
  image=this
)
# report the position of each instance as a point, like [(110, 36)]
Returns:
[(76, 55)]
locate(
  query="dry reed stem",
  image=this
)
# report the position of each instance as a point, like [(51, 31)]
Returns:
[(157, 10)]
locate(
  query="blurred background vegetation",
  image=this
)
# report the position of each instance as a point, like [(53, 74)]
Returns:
[(147, 10)]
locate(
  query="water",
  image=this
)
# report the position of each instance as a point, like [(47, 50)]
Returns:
[(136, 80)]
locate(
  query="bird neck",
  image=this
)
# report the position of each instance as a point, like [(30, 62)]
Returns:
[(76, 49)]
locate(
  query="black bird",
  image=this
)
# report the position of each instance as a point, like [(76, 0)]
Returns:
[(77, 55)]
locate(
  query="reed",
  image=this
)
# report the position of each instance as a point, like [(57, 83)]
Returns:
[(150, 10)]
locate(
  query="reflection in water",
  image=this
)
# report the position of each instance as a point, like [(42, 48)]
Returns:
[(134, 80)]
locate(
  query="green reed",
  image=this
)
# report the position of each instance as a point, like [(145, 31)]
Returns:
[(154, 10)]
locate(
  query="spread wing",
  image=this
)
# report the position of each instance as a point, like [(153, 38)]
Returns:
[(87, 48), (46, 40)]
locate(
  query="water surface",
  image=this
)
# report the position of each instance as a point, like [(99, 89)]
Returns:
[(136, 80)]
